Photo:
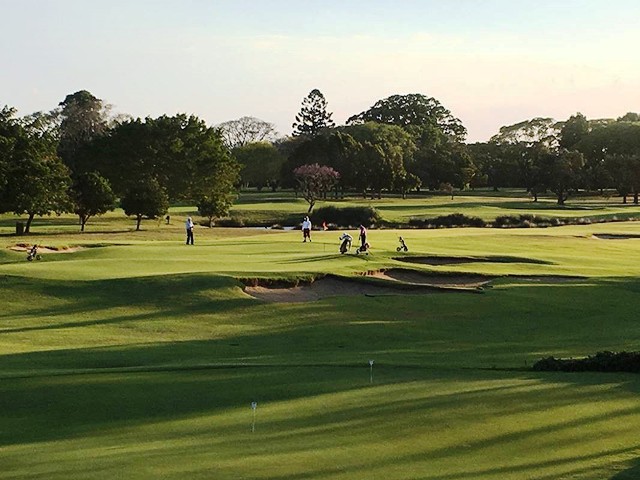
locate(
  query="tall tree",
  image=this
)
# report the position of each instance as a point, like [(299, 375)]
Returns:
[(413, 111), (83, 117), (313, 116), (245, 130)]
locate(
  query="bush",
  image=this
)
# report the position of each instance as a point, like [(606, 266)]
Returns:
[(347, 216), (453, 220), (600, 362), (229, 222)]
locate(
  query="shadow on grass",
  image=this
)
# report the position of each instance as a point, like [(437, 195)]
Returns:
[(632, 473)]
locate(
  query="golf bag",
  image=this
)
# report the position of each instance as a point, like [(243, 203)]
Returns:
[(345, 244), (33, 254)]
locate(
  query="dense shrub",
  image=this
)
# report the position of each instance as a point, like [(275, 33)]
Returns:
[(347, 216), (229, 222), (600, 362), (452, 220)]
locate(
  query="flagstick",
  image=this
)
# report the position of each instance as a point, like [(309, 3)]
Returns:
[(254, 406)]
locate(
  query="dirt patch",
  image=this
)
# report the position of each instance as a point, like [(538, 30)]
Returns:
[(437, 260), (331, 286), (414, 277), (24, 247), (614, 236)]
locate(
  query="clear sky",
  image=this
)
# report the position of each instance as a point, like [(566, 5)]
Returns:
[(491, 62)]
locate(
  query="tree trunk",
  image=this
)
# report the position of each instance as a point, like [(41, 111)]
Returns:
[(624, 199), (635, 198), (27, 227), (139, 219), (83, 222), (311, 205)]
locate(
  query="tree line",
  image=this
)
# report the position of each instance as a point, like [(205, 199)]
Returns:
[(412, 142), (79, 158)]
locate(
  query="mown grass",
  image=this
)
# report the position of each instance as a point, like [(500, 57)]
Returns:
[(138, 357)]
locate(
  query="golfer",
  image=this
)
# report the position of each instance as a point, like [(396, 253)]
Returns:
[(189, 227), (363, 237), (306, 229)]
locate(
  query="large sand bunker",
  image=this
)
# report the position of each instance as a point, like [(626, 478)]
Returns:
[(331, 286)]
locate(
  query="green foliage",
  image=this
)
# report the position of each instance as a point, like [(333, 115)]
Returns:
[(83, 117), (447, 221), (91, 195), (600, 362), (36, 182), (347, 217), (215, 205), (145, 199), (181, 152), (412, 111), (313, 116), (261, 164)]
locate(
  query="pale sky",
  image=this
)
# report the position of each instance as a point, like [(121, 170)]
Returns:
[(491, 62)]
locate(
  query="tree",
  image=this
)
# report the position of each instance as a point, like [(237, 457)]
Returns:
[(313, 116), (624, 169), (187, 157), (537, 130), (630, 117), (562, 172), (314, 181), (245, 130), (385, 154), (215, 205), (260, 163), (146, 198), (35, 180), (605, 140), (91, 195), (83, 117), (413, 111), (573, 130)]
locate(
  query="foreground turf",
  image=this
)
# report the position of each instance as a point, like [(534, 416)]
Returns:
[(136, 356)]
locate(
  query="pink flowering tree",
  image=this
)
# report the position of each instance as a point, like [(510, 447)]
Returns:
[(315, 181)]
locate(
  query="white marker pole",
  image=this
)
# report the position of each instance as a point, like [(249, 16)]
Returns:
[(254, 406), (370, 371)]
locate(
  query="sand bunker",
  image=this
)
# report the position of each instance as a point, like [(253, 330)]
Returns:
[(23, 247), (419, 278), (437, 260), (614, 236), (334, 286)]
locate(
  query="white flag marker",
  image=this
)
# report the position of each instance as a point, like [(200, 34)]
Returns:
[(370, 371), (254, 406)]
